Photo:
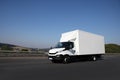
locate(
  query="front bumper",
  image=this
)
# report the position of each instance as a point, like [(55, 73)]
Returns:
[(55, 57)]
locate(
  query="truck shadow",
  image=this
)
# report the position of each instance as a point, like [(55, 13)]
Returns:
[(83, 60)]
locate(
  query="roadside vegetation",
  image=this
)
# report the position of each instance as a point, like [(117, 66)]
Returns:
[(112, 48)]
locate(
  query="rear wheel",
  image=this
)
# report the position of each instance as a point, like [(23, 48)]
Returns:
[(94, 58)]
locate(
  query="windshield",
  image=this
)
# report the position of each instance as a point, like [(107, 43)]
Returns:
[(66, 45)]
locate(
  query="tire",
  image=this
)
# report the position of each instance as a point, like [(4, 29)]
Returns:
[(66, 60)]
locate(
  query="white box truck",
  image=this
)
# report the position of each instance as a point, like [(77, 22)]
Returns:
[(77, 44)]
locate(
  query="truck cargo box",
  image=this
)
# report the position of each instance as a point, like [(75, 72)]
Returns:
[(85, 42)]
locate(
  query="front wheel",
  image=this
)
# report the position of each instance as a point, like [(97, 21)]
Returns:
[(66, 59)]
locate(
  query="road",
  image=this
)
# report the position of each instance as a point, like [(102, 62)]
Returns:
[(43, 69)]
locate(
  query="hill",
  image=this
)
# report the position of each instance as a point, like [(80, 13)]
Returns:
[(4, 46), (9, 45)]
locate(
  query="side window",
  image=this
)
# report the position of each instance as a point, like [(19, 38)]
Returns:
[(71, 45)]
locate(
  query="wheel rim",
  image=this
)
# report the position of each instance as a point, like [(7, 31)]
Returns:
[(94, 58), (65, 60)]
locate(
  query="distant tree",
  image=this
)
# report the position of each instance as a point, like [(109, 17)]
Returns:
[(24, 50), (6, 47)]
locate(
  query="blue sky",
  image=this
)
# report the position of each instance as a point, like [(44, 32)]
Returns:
[(39, 23)]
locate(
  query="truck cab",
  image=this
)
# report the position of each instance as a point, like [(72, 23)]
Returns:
[(61, 51)]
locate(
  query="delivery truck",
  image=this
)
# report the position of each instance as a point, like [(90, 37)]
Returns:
[(77, 44)]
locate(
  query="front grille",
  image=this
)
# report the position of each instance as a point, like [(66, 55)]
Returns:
[(52, 53)]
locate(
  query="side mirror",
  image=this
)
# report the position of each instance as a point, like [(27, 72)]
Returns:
[(51, 47)]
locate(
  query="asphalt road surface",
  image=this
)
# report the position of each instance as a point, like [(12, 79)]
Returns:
[(43, 69)]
